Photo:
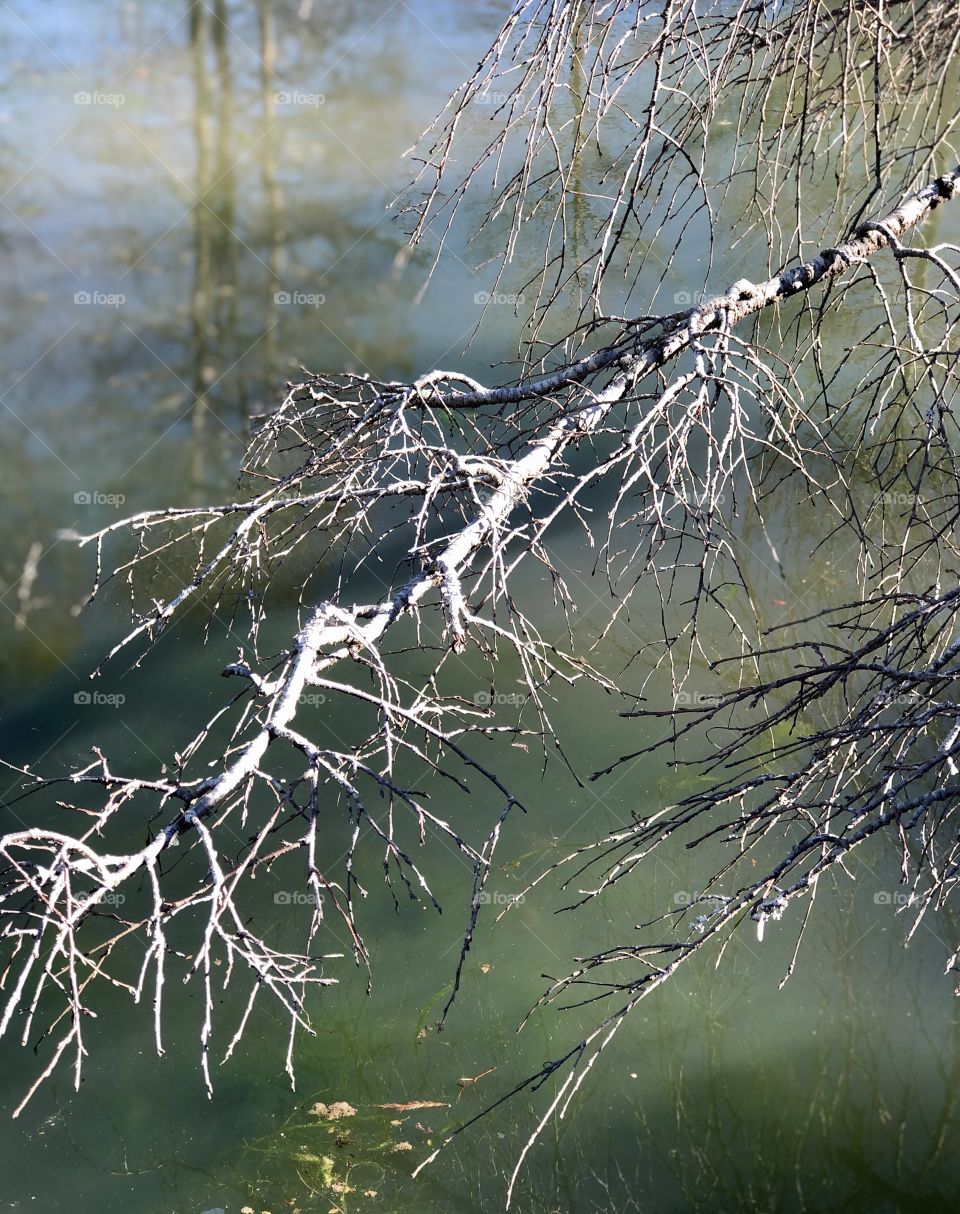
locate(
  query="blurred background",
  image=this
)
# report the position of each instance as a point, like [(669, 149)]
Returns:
[(193, 206)]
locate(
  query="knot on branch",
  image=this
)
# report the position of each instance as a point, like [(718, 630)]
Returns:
[(742, 290), (454, 605), (873, 228), (241, 670), (838, 258), (768, 908), (797, 278)]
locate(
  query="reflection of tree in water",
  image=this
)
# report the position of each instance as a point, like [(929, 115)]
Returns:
[(213, 309), (241, 247), (838, 1111), (200, 198), (845, 1111)]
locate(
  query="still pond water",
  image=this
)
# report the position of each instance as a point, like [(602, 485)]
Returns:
[(159, 202)]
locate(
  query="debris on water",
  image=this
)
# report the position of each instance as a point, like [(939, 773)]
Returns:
[(333, 1112)]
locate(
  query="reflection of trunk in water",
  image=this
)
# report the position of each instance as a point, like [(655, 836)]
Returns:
[(223, 189), (275, 234), (213, 305), (578, 90)]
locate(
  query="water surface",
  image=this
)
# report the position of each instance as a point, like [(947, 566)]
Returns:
[(194, 206)]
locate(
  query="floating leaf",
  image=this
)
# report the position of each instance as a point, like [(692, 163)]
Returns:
[(415, 1104)]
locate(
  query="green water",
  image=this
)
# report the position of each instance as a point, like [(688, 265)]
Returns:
[(199, 199)]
